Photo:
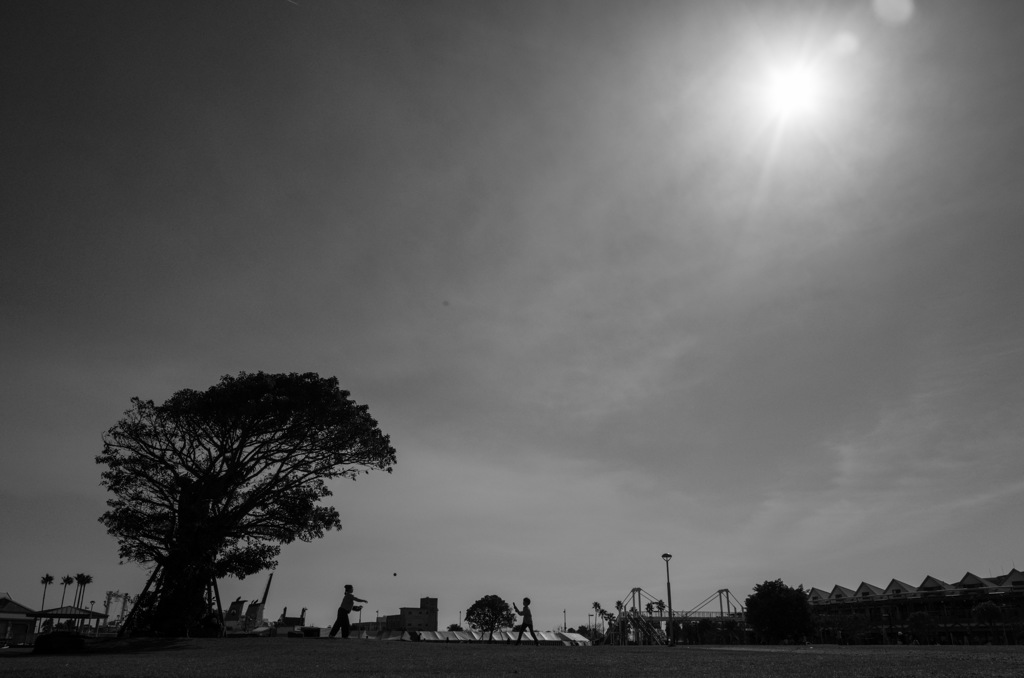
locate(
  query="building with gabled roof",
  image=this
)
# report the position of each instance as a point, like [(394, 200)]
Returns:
[(866, 590), (840, 594), (1011, 581), (897, 588), (973, 581), (16, 622), (817, 596), (932, 585), (933, 612)]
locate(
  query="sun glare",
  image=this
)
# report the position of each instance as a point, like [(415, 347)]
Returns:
[(794, 90)]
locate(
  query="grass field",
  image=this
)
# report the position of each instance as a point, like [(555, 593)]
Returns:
[(291, 657)]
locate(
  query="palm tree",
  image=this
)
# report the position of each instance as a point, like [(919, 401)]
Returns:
[(67, 580), (649, 608), (78, 588), (597, 612), (82, 580), (618, 607), (45, 581)]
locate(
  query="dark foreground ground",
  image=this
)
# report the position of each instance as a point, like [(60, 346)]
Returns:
[(298, 658)]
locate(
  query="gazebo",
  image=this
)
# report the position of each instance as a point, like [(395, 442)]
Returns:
[(67, 612)]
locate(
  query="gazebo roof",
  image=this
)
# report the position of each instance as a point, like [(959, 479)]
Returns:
[(68, 612)]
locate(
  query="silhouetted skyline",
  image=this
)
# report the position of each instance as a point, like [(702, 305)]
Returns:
[(605, 301)]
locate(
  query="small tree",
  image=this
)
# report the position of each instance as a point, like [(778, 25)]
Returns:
[(776, 611), (211, 483), (490, 613), (455, 627)]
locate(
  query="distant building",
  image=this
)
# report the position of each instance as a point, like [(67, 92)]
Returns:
[(932, 612), (15, 624), (422, 618)]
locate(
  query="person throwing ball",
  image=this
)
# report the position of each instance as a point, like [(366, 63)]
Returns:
[(527, 621), (348, 603)]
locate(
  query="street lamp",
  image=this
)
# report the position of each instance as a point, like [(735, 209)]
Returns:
[(668, 585)]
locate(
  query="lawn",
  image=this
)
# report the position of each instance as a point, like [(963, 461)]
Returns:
[(298, 658)]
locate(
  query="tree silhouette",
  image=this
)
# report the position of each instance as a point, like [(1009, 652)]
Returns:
[(212, 483), (67, 580), (82, 580), (490, 613), (45, 581), (618, 608), (776, 611), (78, 588)]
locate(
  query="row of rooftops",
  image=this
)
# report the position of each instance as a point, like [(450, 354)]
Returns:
[(1013, 581)]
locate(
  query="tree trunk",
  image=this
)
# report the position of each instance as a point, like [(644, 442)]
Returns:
[(180, 608)]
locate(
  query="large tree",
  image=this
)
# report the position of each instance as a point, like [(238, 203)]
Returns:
[(490, 613), (212, 483), (777, 612)]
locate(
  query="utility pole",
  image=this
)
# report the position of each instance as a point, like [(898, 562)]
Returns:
[(668, 585)]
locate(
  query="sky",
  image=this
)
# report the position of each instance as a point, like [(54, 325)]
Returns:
[(607, 298)]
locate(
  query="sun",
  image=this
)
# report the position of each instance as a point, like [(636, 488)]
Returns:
[(793, 90)]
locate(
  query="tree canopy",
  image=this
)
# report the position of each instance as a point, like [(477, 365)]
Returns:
[(490, 613), (777, 612), (212, 483)]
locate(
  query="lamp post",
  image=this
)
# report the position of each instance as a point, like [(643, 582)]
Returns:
[(668, 585), (92, 604)]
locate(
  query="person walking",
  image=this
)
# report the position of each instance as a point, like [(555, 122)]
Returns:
[(348, 604), (527, 621)]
